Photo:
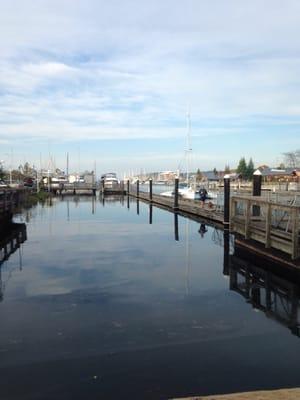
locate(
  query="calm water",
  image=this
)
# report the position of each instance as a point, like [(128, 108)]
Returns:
[(99, 303)]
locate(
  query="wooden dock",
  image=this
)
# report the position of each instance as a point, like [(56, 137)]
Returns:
[(255, 219), (75, 188), (10, 199), (275, 225), (189, 207)]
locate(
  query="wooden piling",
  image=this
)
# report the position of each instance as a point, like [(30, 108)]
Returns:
[(150, 189), (256, 190), (226, 201), (128, 187), (176, 194), (137, 188)]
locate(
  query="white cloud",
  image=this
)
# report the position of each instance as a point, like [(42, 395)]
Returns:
[(99, 70)]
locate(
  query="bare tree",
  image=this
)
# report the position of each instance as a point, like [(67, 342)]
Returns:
[(292, 158)]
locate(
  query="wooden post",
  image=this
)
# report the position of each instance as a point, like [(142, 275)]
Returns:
[(176, 194), (128, 187), (295, 232), (268, 225), (226, 221), (137, 188), (150, 189), (256, 190)]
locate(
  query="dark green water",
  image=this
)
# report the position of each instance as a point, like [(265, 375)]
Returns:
[(99, 304)]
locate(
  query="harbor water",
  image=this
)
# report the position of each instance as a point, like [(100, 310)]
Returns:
[(112, 298)]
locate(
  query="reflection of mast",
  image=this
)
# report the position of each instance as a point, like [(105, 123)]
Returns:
[(68, 210), (93, 204), (188, 258)]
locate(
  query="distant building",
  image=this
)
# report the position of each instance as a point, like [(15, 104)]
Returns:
[(210, 176), (167, 176), (284, 175)]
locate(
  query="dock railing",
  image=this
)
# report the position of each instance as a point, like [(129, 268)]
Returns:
[(276, 225)]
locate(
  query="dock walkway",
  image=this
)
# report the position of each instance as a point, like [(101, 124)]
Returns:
[(253, 218)]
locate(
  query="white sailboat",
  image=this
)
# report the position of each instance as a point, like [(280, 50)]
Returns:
[(188, 192)]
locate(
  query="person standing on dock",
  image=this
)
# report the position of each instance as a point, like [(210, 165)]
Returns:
[(203, 196)]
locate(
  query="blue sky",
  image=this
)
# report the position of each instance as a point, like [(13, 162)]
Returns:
[(110, 82)]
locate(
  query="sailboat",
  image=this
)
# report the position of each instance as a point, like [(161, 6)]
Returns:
[(188, 192)]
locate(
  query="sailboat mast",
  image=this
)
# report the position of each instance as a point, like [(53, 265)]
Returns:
[(188, 147)]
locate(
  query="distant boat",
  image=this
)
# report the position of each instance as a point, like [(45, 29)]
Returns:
[(110, 180)]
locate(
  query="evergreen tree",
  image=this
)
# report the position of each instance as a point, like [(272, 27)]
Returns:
[(227, 169), (198, 175), (250, 169), (242, 168)]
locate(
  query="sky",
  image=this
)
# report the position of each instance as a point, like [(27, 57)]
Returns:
[(111, 82)]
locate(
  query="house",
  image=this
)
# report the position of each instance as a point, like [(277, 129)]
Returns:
[(281, 175), (210, 176)]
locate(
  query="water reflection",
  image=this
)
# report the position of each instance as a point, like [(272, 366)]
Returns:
[(115, 277), (202, 229), (277, 296), (10, 242)]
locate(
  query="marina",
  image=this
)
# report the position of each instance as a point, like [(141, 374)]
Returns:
[(149, 200)]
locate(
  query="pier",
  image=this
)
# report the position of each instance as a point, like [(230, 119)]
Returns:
[(10, 199), (271, 220)]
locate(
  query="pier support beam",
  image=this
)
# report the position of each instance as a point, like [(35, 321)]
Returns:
[(137, 188), (226, 201), (176, 194)]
